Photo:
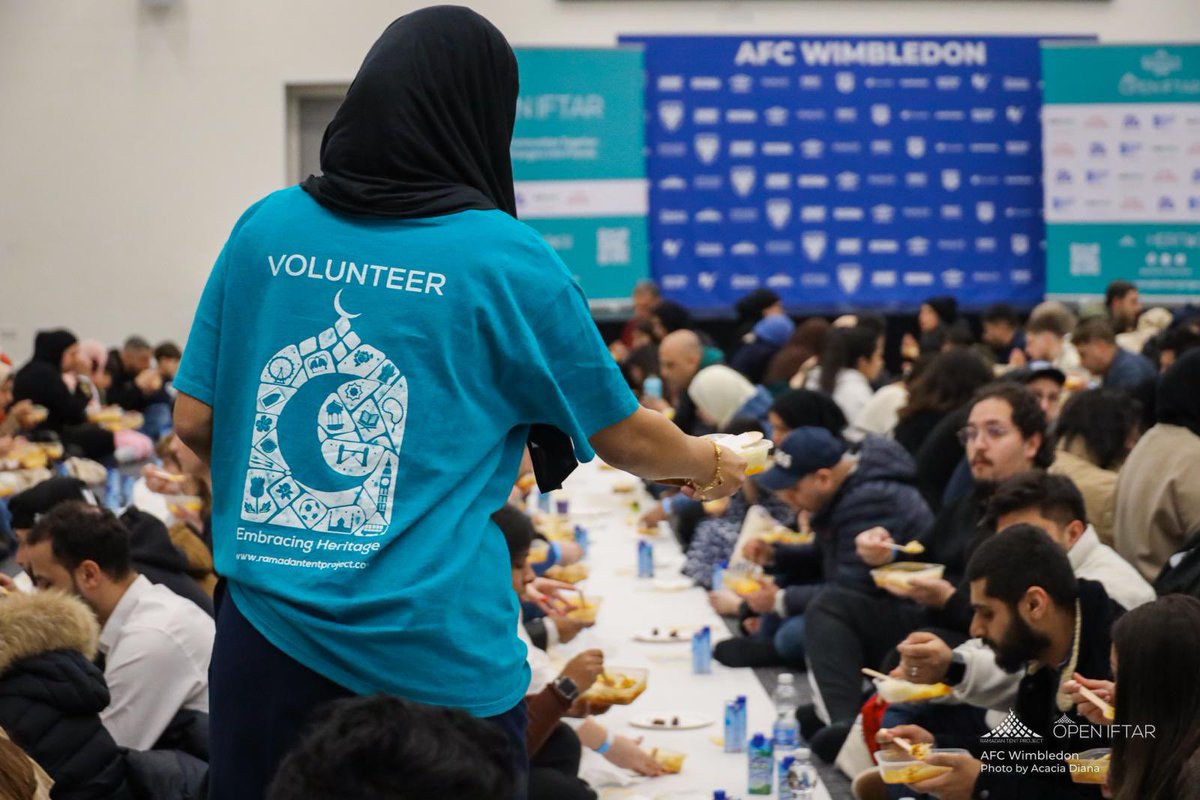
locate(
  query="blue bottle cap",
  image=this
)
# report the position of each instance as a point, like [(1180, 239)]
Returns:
[(719, 794), (758, 740), (786, 763), (741, 698)]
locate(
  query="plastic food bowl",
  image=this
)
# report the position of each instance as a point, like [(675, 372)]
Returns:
[(670, 760), (1090, 766), (570, 573), (900, 574), (751, 446), (583, 609), (617, 686), (897, 766), (896, 690)]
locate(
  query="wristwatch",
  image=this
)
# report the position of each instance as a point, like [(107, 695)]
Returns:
[(956, 671), (566, 688)]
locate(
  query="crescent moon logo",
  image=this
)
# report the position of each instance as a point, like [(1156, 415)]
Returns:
[(326, 436), (337, 306)]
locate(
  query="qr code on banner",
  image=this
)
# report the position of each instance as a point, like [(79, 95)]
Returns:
[(1085, 258)]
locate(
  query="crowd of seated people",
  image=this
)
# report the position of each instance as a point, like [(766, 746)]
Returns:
[(1048, 467), (1075, 433)]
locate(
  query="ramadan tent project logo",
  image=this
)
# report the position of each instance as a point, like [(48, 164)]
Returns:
[(325, 441), (1011, 731)]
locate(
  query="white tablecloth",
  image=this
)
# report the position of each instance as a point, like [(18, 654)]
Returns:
[(632, 605)]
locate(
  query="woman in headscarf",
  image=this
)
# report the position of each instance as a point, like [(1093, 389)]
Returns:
[(722, 394), (371, 354), (1158, 494), (49, 380)]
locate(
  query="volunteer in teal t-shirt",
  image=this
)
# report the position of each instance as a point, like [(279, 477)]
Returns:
[(365, 365)]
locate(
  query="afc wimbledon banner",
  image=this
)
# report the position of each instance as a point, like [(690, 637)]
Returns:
[(579, 164), (845, 171), (1122, 142)]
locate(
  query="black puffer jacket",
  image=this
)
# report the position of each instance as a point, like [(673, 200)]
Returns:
[(51, 695), (881, 491)]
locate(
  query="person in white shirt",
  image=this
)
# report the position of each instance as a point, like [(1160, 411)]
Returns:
[(852, 359), (1054, 504), (155, 644)]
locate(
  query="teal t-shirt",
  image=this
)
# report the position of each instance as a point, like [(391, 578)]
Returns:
[(372, 384)]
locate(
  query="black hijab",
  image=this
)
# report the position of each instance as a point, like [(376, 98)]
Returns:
[(425, 131), (1178, 395), (426, 126), (49, 346)]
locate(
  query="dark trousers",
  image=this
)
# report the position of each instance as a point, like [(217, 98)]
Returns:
[(554, 769), (260, 699), (847, 630)]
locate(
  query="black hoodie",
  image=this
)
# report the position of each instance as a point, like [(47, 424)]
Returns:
[(41, 381), (155, 556)]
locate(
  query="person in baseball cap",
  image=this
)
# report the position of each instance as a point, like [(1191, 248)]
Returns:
[(802, 453), (1046, 381)]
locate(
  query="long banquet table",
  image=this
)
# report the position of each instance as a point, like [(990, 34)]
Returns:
[(631, 606)]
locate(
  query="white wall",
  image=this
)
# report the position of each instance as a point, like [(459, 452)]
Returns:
[(132, 138)]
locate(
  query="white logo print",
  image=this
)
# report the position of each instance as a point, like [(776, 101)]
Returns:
[(849, 277), (779, 212), (883, 213), (1020, 244), (812, 148), (915, 146), (951, 179), (881, 114), (707, 146), (672, 247), (743, 179), (985, 212), (1015, 114), (980, 81), (1010, 729), (670, 114), (814, 245), (844, 81), (847, 181), (707, 280), (776, 115), (328, 426)]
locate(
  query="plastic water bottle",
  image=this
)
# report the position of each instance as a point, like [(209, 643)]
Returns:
[(702, 651), (761, 765), (718, 575), (581, 539), (112, 490), (127, 484), (645, 559), (802, 777), (786, 732), (742, 721)]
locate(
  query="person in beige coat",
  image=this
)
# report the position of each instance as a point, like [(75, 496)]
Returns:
[(1158, 491), (1096, 430)]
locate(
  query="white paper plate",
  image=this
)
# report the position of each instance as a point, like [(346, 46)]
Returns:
[(687, 722), (672, 584), (663, 635)]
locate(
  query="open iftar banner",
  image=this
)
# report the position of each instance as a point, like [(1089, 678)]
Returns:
[(845, 172), (579, 165), (1122, 169)]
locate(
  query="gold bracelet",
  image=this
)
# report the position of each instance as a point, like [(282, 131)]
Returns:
[(717, 480)]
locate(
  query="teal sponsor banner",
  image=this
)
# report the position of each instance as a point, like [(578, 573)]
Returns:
[(1121, 140), (579, 162), (1090, 73)]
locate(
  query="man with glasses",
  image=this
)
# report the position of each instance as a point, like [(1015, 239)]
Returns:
[(847, 630)]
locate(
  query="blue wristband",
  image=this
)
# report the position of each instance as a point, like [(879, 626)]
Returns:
[(608, 743)]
